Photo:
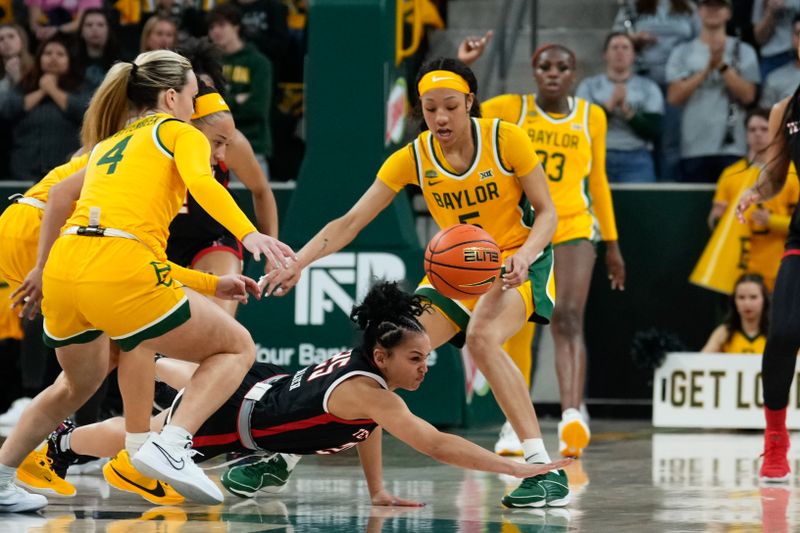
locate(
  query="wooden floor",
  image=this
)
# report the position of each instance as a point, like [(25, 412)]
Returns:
[(632, 480)]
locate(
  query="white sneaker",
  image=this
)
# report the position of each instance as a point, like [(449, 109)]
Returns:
[(12, 416), (14, 499), (573, 434), (173, 464), (508, 443)]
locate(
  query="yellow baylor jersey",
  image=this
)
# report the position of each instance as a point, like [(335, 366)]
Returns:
[(488, 194), (138, 179), (738, 342), (41, 190), (572, 151)]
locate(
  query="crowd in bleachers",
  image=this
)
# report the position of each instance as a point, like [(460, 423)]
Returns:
[(54, 53), (713, 60)]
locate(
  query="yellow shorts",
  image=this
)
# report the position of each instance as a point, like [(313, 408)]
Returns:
[(10, 323), (111, 285), (19, 233), (538, 293), (582, 226)]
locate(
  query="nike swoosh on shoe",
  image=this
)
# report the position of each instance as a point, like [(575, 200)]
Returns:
[(158, 491)]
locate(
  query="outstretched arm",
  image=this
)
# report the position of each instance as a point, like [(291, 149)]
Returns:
[(358, 398), (333, 237)]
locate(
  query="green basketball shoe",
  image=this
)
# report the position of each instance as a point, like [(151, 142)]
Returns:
[(529, 493), (557, 488), (268, 474), (550, 489)]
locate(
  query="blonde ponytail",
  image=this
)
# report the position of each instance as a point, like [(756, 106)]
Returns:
[(130, 88)]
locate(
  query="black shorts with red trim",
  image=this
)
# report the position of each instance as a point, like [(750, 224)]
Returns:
[(219, 434), (187, 252)]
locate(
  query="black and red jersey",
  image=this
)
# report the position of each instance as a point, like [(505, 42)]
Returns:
[(292, 415)]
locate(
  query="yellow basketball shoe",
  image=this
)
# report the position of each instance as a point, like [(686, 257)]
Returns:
[(121, 474), (37, 475), (573, 434)]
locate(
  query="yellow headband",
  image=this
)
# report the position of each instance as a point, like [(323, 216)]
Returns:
[(208, 104), (442, 79)]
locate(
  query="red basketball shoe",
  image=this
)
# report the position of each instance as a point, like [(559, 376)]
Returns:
[(775, 468)]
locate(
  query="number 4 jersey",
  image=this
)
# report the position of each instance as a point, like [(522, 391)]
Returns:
[(288, 413), (488, 194), (138, 178)]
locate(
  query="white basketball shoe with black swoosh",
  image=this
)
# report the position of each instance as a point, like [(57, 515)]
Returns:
[(14, 499), (173, 464)]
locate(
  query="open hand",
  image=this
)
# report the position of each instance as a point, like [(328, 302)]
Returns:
[(277, 254), (524, 470), (280, 282), (28, 296), (236, 287), (383, 498)]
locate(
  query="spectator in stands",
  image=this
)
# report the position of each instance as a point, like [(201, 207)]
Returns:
[(760, 242), (159, 33), (782, 81), (714, 77), (46, 110), (48, 17), (634, 106), (264, 23), (97, 46), (772, 27), (657, 27), (15, 61), (249, 80), (745, 327)]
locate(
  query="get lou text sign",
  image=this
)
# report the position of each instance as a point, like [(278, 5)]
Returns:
[(714, 391)]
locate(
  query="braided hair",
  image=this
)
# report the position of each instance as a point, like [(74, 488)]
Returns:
[(386, 315)]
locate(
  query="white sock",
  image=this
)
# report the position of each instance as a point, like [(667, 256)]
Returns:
[(570, 414), (535, 451), (176, 435), (134, 441), (291, 460), (7, 474)]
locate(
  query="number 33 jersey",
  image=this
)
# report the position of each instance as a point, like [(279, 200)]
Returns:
[(293, 417), (572, 150), (488, 194)]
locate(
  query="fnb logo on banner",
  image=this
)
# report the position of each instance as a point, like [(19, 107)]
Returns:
[(340, 280)]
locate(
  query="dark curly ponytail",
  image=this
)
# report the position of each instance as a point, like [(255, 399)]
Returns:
[(386, 314)]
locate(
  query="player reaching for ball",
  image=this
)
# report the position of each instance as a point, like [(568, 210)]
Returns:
[(479, 172)]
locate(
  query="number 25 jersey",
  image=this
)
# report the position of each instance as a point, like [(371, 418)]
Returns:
[(488, 194)]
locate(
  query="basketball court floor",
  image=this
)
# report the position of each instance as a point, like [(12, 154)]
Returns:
[(633, 479)]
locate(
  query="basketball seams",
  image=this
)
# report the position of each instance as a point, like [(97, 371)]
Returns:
[(454, 287), (464, 243)]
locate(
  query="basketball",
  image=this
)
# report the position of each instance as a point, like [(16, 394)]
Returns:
[(462, 262)]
